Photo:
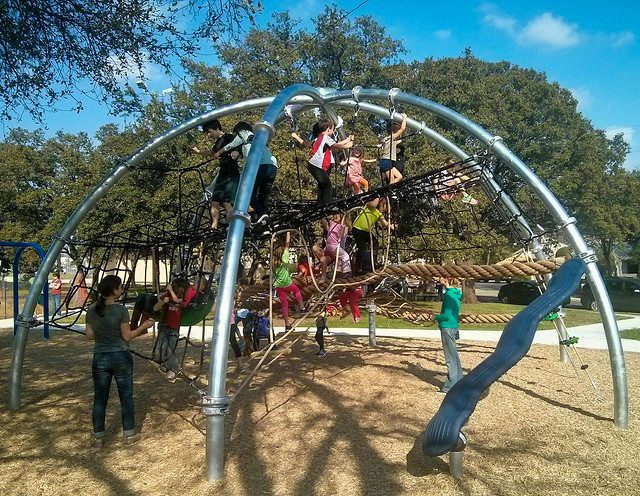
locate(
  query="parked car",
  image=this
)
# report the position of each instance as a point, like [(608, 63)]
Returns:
[(624, 293), (522, 293)]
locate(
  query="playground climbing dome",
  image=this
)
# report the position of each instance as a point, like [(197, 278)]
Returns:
[(430, 227)]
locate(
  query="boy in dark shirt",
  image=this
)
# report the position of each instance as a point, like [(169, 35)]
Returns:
[(321, 325)]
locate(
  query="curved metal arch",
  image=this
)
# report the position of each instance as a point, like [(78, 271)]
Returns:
[(216, 403)]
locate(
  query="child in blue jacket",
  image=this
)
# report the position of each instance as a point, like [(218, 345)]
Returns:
[(448, 321)]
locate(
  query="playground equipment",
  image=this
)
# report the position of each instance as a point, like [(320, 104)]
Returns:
[(289, 102), (17, 316)]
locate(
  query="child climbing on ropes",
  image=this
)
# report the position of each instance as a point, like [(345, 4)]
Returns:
[(222, 190), (304, 268), (170, 302), (452, 182), (349, 299), (282, 280), (337, 230), (354, 177), (389, 149), (321, 325), (267, 170), (363, 235), (322, 158)]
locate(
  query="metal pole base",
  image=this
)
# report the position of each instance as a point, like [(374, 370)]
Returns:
[(215, 409), (371, 307), (456, 457)]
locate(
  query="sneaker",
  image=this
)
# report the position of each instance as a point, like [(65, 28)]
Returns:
[(288, 327), (131, 439), (171, 376), (441, 391), (468, 199), (98, 442), (321, 353)]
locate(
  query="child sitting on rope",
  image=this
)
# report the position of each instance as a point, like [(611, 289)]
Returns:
[(337, 230), (453, 182), (170, 302), (322, 158), (388, 155), (282, 280), (354, 178), (363, 235)]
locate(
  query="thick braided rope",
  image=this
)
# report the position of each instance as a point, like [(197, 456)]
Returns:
[(256, 296)]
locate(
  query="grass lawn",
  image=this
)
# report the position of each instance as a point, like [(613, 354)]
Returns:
[(631, 334), (574, 317)]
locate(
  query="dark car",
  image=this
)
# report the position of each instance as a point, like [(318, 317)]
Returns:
[(522, 293), (624, 293)]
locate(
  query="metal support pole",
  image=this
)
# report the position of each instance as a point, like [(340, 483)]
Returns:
[(263, 131), (456, 457), (456, 465), (371, 316)]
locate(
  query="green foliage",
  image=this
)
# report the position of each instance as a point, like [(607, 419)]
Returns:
[(45, 180), (48, 48)]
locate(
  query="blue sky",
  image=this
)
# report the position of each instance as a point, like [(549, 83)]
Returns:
[(590, 47)]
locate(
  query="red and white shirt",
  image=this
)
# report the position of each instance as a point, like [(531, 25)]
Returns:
[(321, 155)]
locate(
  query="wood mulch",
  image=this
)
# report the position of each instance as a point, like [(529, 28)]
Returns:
[(348, 423)]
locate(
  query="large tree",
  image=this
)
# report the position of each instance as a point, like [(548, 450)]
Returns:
[(49, 47)]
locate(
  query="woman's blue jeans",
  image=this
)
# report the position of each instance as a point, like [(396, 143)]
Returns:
[(451, 357), (106, 365)]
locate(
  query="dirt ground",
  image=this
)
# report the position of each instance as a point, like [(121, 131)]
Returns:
[(348, 423)]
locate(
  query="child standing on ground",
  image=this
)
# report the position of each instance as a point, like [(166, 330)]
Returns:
[(354, 177), (170, 302), (448, 322), (321, 325), (282, 280), (322, 158)]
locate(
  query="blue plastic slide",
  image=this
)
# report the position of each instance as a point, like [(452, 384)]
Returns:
[(443, 431)]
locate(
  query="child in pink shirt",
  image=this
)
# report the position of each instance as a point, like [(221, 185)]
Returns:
[(354, 170)]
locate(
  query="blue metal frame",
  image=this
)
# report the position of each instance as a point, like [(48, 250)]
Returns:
[(21, 246)]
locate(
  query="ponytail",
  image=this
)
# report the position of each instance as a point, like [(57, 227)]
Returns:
[(106, 288)]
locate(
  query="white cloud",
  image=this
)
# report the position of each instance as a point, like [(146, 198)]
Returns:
[(547, 29), (493, 17), (622, 39), (126, 69), (442, 34), (626, 131), (583, 96)]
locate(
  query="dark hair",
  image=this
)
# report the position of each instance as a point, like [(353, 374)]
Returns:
[(357, 151), (325, 124), (242, 126), (106, 288), (212, 124), (393, 126)]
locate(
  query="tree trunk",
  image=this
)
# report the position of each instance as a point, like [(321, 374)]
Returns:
[(469, 291), (468, 287)]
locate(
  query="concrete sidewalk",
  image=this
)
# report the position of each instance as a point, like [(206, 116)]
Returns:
[(589, 336)]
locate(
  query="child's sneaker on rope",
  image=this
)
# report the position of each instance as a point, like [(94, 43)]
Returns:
[(468, 199)]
